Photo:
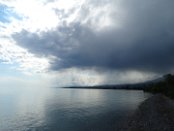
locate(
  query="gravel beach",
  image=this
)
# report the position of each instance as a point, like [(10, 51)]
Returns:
[(154, 114)]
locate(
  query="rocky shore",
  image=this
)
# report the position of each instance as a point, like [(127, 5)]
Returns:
[(154, 114)]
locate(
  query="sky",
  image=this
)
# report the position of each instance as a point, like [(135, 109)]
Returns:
[(85, 42)]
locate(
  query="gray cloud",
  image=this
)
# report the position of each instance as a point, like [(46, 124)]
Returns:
[(143, 41)]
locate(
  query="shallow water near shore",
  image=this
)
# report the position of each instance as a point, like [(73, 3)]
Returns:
[(58, 109)]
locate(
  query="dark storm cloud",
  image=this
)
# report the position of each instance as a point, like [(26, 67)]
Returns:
[(144, 41)]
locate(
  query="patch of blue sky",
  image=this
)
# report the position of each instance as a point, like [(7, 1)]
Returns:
[(6, 13)]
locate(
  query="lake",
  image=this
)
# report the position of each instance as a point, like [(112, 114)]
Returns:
[(58, 109)]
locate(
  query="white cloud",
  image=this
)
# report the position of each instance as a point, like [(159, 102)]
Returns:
[(35, 16), (15, 55), (97, 18), (38, 16)]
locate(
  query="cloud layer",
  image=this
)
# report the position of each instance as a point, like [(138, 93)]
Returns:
[(134, 35), (89, 40)]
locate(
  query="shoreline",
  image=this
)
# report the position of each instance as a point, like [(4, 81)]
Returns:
[(154, 114)]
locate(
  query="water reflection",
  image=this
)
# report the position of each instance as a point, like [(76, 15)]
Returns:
[(22, 108), (65, 109)]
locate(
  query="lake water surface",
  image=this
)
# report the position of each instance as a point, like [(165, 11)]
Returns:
[(58, 109)]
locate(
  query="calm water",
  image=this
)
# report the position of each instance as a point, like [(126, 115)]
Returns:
[(56, 109)]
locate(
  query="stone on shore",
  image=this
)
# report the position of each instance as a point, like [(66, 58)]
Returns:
[(154, 114)]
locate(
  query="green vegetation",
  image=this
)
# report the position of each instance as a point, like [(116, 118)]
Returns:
[(165, 86)]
